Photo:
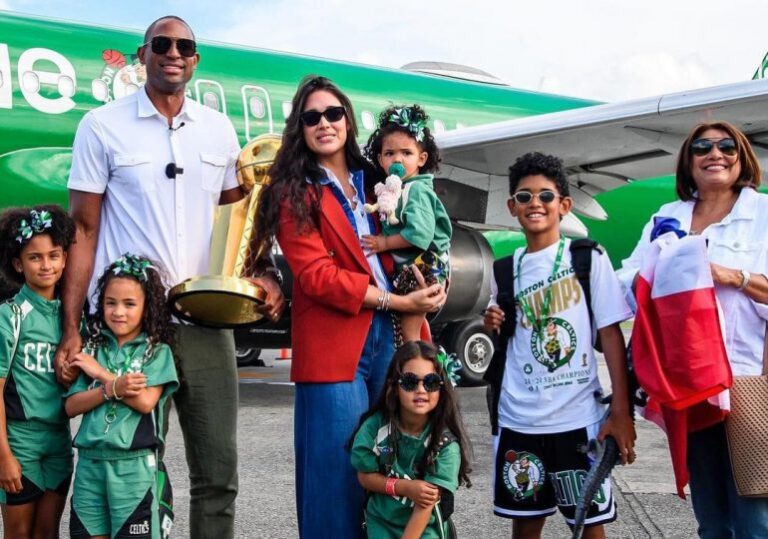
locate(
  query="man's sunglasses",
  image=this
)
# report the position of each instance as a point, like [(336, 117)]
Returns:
[(162, 44), (525, 197), (409, 382), (702, 146), (312, 117)]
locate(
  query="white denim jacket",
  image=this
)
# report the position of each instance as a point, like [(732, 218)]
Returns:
[(739, 241)]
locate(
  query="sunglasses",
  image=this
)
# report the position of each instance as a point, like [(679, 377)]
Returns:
[(525, 197), (312, 117), (409, 382), (162, 44), (702, 146)]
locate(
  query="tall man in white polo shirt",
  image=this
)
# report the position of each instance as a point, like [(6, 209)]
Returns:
[(148, 171)]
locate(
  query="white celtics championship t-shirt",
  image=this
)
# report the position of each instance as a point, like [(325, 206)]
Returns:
[(550, 376)]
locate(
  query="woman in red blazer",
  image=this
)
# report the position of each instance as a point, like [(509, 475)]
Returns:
[(342, 332)]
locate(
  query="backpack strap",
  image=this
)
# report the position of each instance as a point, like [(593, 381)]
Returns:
[(504, 273), (581, 260)]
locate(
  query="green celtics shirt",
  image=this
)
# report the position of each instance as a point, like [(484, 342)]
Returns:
[(424, 223), (113, 427), (31, 390), (388, 516)]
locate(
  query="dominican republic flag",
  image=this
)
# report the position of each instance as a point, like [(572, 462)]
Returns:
[(677, 344)]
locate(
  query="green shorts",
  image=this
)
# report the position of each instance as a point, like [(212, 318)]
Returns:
[(115, 497), (44, 452)]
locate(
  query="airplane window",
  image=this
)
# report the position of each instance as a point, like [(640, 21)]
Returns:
[(257, 107), (31, 82), (99, 90), (66, 86), (210, 99), (439, 126), (287, 107), (369, 122)]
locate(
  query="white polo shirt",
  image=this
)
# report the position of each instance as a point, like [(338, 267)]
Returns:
[(122, 150)]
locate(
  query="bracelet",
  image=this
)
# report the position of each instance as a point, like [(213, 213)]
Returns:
[(114, 390), (387, 298), (745, 276), (389, 487), (380, 301), (104, 392)]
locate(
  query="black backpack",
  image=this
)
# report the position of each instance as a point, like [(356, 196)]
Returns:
[(504, 270)]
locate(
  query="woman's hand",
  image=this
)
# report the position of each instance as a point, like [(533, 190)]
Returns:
[(725, 276), (90, 366), (426, 300), (10, 474), (130, 384), (422, 493)]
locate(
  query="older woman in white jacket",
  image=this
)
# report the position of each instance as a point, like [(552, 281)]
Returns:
[(717, 177)]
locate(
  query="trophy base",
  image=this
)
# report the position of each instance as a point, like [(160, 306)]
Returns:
[(217, 301)]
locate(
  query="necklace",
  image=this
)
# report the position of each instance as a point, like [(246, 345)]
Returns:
[(539, 323)]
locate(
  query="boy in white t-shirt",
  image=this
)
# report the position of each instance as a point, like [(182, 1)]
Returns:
[(544, 409)]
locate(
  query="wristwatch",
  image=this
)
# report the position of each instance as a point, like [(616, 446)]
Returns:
[(745, 276)]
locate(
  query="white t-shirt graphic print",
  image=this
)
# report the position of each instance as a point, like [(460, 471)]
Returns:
[(550, 376)]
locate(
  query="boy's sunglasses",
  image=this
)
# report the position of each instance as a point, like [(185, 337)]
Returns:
[(409, 382), (312, 117), (525, 197), (702, 146), (162, 44)]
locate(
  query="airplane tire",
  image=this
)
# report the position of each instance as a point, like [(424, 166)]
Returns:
[(474, 348)]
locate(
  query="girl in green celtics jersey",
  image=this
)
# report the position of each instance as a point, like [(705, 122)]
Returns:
[(410, 451), (127, 374), (35, 444)]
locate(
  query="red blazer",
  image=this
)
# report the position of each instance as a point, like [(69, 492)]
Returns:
[(329, 324)]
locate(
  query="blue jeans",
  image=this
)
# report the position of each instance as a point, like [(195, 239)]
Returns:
[(720, 511), (329, 499)]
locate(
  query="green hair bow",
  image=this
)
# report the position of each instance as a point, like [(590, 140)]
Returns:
[(450, 364), (38, 222), (132, 266), (405, 117)]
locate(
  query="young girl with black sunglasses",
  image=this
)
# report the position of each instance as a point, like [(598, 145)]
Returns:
[(410, 450)]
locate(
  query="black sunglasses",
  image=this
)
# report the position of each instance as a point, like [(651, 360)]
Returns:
[(162, 44), (525, 197), (312, 117), (702, 146), (409, 382)]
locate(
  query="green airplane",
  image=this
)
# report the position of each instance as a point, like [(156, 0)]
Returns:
[(52, 72)]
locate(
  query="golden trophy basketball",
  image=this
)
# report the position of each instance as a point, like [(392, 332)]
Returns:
[(224, 299)]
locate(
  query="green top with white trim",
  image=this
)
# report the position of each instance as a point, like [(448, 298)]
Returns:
[(31, 390)]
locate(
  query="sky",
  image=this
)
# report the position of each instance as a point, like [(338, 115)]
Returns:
[(608, 50)]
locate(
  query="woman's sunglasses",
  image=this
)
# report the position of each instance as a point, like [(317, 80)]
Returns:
[(409, 382), (312, 117), (702, 146), (525, 197), (162, 44)]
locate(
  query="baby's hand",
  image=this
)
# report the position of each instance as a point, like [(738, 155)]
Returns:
[(10, 474), (374, 244), (422, 493), (130, 385), (89, 366)]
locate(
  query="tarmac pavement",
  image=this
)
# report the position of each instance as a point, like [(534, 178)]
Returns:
[(647, 504)]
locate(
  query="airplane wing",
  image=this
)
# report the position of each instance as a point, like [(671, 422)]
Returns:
[(603, 146)]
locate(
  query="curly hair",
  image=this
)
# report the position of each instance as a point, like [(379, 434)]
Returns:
[(296, 172), (386, 127), (535, 163), (61, 232), (156, 318), (444, 417), (750, 175)]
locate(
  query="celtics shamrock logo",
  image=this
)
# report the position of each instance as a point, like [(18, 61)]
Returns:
[(555, 345)]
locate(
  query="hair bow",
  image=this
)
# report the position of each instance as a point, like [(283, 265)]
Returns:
[(133, 266), (450, 364), (38, 222), (405, 117)]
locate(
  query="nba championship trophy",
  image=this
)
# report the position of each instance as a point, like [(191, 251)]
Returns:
[(224, 299)]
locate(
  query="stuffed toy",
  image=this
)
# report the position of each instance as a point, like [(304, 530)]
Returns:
[(388, 195)]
